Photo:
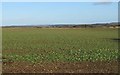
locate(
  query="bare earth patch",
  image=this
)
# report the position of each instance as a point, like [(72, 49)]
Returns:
[(61, 67)]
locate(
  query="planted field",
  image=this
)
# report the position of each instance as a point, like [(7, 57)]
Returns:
[(37, 45)]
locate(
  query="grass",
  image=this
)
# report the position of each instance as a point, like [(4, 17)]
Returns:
[(71, 45)]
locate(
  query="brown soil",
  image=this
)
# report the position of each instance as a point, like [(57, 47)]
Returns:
[(61, 67)]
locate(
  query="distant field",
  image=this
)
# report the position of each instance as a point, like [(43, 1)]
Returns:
[(71, 45)]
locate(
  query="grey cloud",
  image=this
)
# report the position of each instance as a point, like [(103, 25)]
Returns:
[(102, 3)]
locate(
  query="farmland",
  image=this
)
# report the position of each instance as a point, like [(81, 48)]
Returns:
[(65, 45)]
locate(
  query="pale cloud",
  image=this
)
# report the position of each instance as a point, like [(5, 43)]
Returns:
[(59, 0)]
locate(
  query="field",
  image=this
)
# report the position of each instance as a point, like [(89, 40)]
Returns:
[(60, 50)]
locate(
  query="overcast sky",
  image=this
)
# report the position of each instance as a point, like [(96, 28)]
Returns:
[(21, 13)]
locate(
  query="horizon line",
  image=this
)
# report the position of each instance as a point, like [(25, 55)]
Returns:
[(58, 24)]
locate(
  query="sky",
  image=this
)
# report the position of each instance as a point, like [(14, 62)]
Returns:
[(36, 13)]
